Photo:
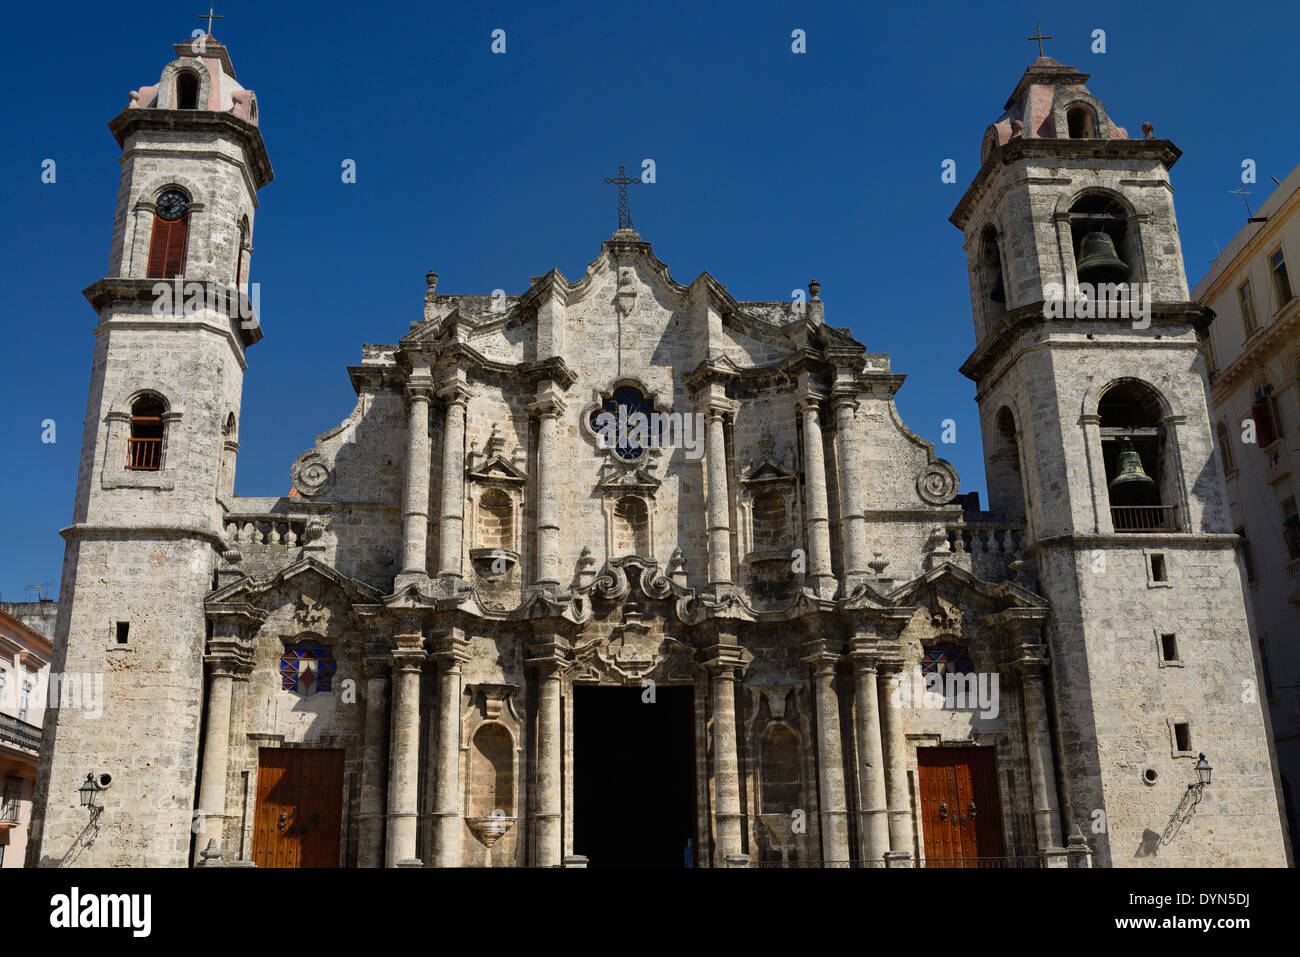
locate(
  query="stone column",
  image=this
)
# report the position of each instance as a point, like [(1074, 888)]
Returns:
[(451, 521), (370, 816), (853, 522), (225, 659), (548, 408), (724, 672), (895, 747), (716, 408), (1038, 738), (548, 824), (817, 513), (404, 763), (830, 756), (415, 500), (449, 653), (873, 805)]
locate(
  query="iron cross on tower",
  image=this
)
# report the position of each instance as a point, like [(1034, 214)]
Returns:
[(210, 16), (1038, 35), (624, 211)]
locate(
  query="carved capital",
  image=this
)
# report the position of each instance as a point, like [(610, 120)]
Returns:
[(449, 651), (418, 389), (455, 394), (809, 401), (228, 658), (408, 654)]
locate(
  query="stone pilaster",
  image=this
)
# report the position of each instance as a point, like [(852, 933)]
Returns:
[(853, 523), (873, 813), (227, 661), (451, 512), (833, 800), (894, 739), (726, 669), (448, 652), (821, 578), (548, 408), (549, 663), (370, 816), (415, 498), (1101, 523), (404, 762)]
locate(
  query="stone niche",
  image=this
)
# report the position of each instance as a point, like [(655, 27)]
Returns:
[(494, 506), (491, 774), (769, 528)]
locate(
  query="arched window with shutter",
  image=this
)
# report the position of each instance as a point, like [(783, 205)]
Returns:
[(170, 225), (145, 446)]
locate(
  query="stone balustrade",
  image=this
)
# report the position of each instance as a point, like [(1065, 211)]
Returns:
[(986, 548), (288, 530)]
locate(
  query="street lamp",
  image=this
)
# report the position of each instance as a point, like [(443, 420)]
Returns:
[(1202, 770), (91, 788)]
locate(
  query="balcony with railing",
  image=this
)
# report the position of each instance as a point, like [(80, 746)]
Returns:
[(18, 733)]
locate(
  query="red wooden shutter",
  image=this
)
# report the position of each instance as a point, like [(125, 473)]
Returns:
[(167, 248), (1265, 430)]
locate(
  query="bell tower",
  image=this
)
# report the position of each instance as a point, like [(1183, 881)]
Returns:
[(1091, 381), (174, 317)]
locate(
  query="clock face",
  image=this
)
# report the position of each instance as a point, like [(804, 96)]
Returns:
[(172, 205)]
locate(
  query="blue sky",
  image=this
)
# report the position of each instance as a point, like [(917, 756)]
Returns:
[(772, 168)]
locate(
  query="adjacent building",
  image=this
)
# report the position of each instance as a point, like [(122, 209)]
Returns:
[(25, 656), (1255, 390)]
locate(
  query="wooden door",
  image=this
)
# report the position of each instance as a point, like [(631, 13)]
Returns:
[(299, 807), (961, 818)]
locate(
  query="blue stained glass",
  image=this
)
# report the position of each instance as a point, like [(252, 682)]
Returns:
[(628, 419)]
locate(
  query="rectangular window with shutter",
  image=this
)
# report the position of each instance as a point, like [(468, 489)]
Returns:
[(1291, 527), (1263, 412), (1281, 281), (13, 795), (1247, 299)]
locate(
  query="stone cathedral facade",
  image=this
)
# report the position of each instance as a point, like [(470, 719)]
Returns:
[(760, 627)]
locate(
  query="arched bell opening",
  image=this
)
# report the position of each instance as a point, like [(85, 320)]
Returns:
[(992, 283), (1105, 242), (1006, 484), (1140, 478), (1081, 122)]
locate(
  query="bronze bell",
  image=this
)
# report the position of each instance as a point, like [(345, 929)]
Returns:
[(1130, 469), (999, 293), (1098, 262)]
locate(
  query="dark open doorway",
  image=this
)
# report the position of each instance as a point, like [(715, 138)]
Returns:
[(634, 780)]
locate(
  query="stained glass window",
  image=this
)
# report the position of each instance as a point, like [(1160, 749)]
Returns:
[(946, 658), (306, 668), (626, 423)]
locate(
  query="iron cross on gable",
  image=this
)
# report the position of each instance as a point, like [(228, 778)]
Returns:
[(1038, 35), (210, 16), (624, 211)]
